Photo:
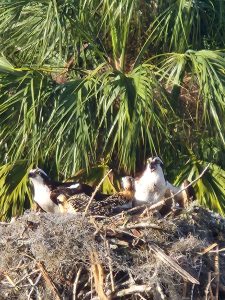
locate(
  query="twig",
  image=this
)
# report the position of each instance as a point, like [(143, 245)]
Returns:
[(170, 262), (193, 285), (208, 286), (141, 225), (76, 282), (9, 279), (141, 296), (128, 233), (208, 249), (48, 280), (27, 275), (190, 184), (132, 290), (216, 267), (110, 267), (131, 210), (217, 272), (95, 191), (91, 281), (98, 274), (159, 289), (35, 286), (217, 251), (32, 287), (184, 290)]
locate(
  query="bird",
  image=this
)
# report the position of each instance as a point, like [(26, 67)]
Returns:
[(151, 186), (183, 194), (111, 205), (123, 199), (45, 190), (74, 204)]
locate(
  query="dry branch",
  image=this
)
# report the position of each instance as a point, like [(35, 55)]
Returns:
[(208, 287), (110, 266), (95, 191), (76, 283), (170, 262), (160, 291), (209, 248), (98, 274), (217, 272), (190, 184), (134, 289), (9, 279), (27, 275), (141, 225), (48, 280)]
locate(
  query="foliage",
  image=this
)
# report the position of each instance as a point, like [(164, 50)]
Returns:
[(109, 83)]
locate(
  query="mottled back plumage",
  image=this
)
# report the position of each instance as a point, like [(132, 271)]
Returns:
[(111, 205)]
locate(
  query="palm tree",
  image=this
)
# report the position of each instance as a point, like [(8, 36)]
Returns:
[(88, 85)]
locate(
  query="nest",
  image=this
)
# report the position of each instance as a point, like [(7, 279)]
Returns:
[(141, 256)]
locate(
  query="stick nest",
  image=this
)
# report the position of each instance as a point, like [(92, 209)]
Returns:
[(63, 256)]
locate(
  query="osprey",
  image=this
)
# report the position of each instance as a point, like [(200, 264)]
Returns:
[(111, 205), (123, 199), (151, 186), (46, 191)]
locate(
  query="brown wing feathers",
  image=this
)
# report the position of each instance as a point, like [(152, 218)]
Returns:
[(78, 203)]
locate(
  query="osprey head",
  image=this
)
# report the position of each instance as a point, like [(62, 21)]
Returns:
[(39, 176), (127, 183), (154, 163)]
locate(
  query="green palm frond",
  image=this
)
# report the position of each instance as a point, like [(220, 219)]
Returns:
[(55, 31), (206, 70), (94, 83), (210, 187), (14, 191)]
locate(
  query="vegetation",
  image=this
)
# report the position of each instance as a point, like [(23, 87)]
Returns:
[(96, 84)]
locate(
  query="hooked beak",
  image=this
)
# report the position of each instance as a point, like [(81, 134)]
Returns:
[(31, 175)]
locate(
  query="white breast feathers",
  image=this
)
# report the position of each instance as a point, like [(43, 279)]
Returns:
[(151, 186), (42, 198)]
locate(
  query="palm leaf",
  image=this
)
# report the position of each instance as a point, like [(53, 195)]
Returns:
[(209, 188), (14, 192)]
